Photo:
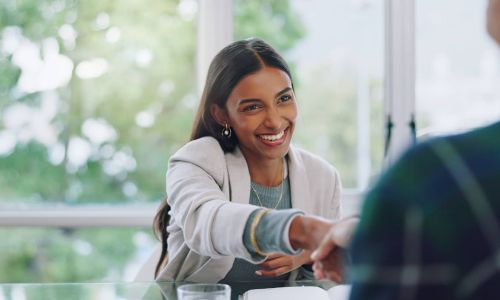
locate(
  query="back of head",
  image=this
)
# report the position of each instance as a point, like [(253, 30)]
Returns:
[(230, 66), (494, 19)]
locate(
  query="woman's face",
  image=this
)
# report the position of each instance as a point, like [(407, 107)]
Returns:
[(261, 111)]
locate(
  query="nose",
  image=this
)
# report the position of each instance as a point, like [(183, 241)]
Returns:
[(273, 118)]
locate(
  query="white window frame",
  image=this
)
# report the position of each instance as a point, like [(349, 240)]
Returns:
[(399, 75), (81, 216), (215, 30)]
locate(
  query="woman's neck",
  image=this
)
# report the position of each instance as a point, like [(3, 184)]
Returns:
[(267, 172)]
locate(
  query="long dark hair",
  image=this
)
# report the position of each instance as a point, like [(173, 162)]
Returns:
[(229, 66), (160, 224)]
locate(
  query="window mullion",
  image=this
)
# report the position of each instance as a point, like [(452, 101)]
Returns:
[(399, 76), (215, 31)]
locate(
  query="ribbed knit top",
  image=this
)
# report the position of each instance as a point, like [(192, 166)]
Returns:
[(269, 197)]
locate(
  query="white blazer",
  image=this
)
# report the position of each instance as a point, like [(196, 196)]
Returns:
[(209, 192)]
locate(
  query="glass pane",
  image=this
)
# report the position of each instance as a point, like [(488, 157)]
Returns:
[(457, 67), (94, 97), (335, 48), (69, 255)]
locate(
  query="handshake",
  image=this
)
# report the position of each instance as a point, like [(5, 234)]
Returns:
[(327, 240)]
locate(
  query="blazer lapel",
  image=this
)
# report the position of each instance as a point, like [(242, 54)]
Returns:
[(239, 177), (299, 182)]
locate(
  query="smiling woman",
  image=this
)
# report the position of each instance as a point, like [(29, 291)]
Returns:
[(240, 176)]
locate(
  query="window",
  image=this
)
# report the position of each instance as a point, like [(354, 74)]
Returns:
[(457, 67), (335, 49), (94, 97), (93, 103)]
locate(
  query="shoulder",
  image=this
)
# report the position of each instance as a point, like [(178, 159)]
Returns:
[(312, 163), (201, 149), (431, 154), (408, 175), (415, 174), (204, 152), (481, 141)]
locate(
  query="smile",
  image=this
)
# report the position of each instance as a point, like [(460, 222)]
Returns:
[(273, 139)]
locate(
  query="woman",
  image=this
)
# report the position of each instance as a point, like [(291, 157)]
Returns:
[(238, 161)]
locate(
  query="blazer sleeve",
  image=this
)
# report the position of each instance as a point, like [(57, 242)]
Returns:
[(211, 225)]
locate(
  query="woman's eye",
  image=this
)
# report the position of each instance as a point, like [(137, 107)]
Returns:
[(285, 98), (251, 107)]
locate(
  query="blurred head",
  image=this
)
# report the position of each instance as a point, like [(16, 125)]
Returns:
[(493, 22), (229, 68)]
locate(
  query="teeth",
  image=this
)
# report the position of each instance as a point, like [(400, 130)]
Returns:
[(273, 137)]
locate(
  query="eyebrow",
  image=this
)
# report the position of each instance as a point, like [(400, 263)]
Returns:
[(244, 101)]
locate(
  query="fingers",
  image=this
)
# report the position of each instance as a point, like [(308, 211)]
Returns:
[(277, 262), (304, 257), (280, 265), (273, 273), (274, 255), (339, 234), (326, 247), (334, 276), (322, 273), (343, 231), (318, 271), (332, 267)]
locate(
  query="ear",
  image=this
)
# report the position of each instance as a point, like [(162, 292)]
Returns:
[(219, 114)]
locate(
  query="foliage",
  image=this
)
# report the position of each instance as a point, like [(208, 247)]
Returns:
[(328, 122), (133, 74), (271, 20), (107, 133), (64, 255)]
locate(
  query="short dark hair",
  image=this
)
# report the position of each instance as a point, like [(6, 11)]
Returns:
[(230, 66)]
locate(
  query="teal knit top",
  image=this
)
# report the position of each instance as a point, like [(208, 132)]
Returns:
[(280, 201), (271, 197)]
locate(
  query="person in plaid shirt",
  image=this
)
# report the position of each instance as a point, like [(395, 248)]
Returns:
[(430, 228)]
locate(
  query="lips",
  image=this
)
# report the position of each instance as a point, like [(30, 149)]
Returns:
[(274, 139)]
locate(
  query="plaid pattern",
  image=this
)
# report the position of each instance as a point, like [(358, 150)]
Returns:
[(430, 228)]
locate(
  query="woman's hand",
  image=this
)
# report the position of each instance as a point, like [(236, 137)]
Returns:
[(279, 264)]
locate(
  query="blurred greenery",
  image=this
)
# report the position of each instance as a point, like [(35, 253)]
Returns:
[(328, 120), (134, 74), (272, 20), (127, 106), (69, 255), (159, 88)]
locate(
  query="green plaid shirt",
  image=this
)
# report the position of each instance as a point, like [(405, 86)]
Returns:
[(430, 228)]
